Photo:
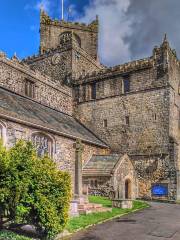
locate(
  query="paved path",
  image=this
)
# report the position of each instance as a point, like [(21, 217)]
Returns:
[(159, 222)]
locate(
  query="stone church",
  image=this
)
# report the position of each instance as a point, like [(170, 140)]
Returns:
[(125, 117)]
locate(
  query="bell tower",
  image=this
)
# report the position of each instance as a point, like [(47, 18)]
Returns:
[(53, 31)]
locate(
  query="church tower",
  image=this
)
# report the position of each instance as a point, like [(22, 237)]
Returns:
[(53, 31), (68, 50)]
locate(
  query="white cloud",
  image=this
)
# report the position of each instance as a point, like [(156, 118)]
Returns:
[(114, 28), (44, 4)]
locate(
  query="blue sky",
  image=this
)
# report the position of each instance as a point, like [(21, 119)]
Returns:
[(129, 29), (19, 24)]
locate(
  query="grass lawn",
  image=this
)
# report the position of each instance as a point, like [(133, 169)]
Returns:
[(7, 235), (83, 221)]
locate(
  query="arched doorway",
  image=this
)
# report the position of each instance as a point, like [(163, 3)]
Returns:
[(128, 189)]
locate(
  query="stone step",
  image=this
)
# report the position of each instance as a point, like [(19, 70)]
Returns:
[(89, 205), (84, 211), (94, 210)]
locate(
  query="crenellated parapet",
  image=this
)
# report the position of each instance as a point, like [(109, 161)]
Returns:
[(45, 19), (122, 69)]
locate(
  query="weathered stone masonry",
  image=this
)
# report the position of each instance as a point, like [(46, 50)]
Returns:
[(14, 74), (150, 135), (132, 110)]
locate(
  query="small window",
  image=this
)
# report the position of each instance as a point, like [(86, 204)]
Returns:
[(83, 72), (127, 120), (105, 123), (84, 92), (29, 89), (155, 116), (93, 91), (126, 85), (77, 94), (92, 183)]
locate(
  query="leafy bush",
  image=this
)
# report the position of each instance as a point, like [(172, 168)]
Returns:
[(33, 190), (6, 235)]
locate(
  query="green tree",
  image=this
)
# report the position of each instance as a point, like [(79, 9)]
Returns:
[(33, 190)]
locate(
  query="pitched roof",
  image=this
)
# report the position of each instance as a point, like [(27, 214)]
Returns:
[(24, 110), (101, 165)]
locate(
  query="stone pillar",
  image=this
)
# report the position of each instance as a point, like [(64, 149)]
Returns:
[(78, 168)]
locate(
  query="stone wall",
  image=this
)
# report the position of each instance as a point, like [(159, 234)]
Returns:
[(64, 63), (83, 64), (174, 114), (56, 64), (14, 74), (148, 121)]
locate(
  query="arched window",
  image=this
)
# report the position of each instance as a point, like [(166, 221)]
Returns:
[(66, 37), (3, 132), (43, 144)]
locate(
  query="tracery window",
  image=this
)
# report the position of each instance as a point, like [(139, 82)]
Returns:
[(3, 133), (43, 144)]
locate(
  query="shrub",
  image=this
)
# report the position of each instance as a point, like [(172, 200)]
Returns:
[(33, 190)]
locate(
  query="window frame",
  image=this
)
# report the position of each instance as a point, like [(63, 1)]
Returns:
[(29, 88), (126, 84), (93, 93), (50, 140)]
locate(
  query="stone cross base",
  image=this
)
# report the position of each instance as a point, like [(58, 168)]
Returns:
[(76, 202), (122, 203)]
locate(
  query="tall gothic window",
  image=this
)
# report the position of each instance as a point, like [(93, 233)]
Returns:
[(3, 132), (30, 89), (126, 84), (93, 91), (43, 144)]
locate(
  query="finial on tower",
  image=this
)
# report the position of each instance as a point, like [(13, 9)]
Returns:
[(165, 38)]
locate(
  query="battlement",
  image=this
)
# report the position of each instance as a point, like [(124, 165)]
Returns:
[(123, 69), (45, 19)]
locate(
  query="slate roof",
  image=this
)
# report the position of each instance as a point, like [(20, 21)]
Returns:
[(100, 165), (27, 111)]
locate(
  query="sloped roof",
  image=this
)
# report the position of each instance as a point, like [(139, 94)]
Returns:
[(27, 111), (100, 165)]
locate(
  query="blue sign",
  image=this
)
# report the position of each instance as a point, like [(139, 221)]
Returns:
[(160, 190)]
